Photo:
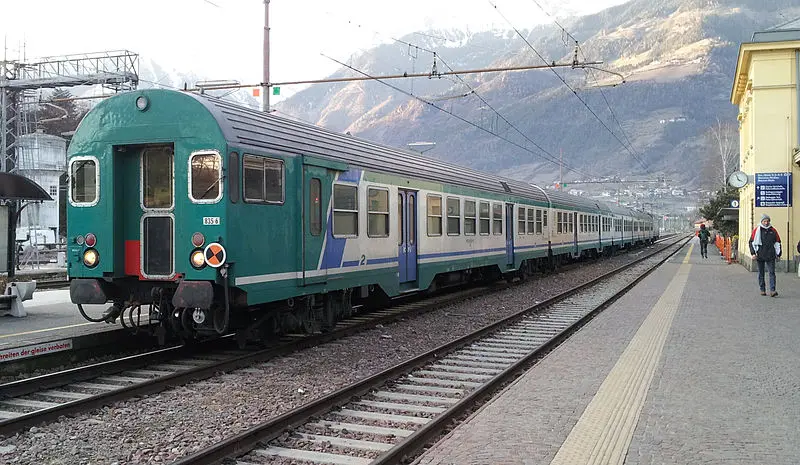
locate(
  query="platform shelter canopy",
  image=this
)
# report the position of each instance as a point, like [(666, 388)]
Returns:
[(16, 187)]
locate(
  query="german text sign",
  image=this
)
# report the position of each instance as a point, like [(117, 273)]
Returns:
[(773, 189)]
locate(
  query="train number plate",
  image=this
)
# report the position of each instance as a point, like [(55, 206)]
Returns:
[(211, 220)]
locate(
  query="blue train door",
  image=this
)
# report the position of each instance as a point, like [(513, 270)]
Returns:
[(407, 242), (510, 234)]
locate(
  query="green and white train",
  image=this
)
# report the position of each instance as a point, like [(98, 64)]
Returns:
[(197, 216)]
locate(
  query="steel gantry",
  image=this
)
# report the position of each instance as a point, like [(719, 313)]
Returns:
[(21, 83)]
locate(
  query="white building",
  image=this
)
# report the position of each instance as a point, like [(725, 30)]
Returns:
[(43, 159)]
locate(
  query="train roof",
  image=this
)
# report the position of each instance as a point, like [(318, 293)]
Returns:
[(250, 128)]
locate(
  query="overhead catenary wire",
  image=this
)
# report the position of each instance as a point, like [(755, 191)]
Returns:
[(574, 92), (459, 117)]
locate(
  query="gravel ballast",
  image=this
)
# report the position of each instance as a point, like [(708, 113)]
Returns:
[(163, 427)]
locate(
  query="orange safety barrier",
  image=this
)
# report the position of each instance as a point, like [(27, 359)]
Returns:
[(725, 246)]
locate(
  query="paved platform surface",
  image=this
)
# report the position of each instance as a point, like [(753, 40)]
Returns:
[(51, 316), (692, 366)]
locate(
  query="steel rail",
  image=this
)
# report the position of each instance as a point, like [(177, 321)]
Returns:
[(246, 441)]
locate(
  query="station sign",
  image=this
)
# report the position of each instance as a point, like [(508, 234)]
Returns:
[(773, 189)]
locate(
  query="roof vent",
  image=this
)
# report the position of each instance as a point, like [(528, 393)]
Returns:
[(505, 187)]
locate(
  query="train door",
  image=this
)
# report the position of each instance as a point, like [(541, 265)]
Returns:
[(316, 198), (510, 234), (145, 185), (407, 242), (573, 219)]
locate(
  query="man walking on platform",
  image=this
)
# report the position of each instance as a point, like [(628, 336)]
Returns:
[(703, 234), (765, 248)]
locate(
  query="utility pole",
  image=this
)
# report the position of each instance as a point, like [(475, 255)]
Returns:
[(265, 80)]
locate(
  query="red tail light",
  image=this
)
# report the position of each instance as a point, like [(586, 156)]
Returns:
[(91, 240)]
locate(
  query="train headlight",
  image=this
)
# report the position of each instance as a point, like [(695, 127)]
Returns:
[(197, 259), (142, 103), (91, 258)]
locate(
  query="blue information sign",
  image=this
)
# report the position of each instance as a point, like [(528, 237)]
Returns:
[(773, 189)]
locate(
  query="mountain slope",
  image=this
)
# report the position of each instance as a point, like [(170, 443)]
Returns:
[(678, 57)]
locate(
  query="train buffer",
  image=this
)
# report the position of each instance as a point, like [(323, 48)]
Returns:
[(16, 293)]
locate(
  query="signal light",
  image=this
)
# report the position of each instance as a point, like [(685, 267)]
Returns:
[(91, 240), (198, 240), (79, 239)]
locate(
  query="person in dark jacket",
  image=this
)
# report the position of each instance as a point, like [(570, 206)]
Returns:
[(765, 248), (704, 236)]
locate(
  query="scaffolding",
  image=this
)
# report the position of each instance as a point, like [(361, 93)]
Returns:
[(21, 84)]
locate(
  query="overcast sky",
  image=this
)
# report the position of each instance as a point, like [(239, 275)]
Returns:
[(222, 39)]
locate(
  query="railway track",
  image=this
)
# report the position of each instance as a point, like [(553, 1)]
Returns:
[(44, 398), (31, 401), (388, 417)]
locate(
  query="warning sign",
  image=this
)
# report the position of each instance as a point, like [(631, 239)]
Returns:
[(214, 255), (18, 353)]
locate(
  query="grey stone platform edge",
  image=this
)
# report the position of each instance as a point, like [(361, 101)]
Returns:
[(726, 388)]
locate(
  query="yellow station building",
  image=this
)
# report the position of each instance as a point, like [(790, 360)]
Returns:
[(767, 91)]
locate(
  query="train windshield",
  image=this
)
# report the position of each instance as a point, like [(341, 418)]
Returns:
[(206, 173), (83, 181)]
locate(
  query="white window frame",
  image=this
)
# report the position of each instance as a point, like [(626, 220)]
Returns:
[(385, 214), (500, 219), (334, 210), (449, 216), (488, 218), (219, 181), (72, 201), (428, 215), (473, 218)]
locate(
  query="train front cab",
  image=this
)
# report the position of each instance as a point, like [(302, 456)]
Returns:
[(145, 205)]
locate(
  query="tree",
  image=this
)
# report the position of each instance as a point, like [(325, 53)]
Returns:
[(722, 146), (722, 199), (59, 115)]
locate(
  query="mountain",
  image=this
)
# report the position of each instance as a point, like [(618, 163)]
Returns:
[(677, 56), (152, 74)]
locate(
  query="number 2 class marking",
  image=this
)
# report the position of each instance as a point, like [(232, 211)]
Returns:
[(363, 260)]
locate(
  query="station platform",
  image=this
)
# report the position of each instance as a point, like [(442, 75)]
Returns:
[(53, 324), (692, 366)]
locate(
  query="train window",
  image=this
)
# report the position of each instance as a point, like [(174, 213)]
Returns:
[(233, 176), (84, 185), (521, 215), (157, 191), (400, 237), (345, 210), (412, 219), (263, 179), (434, 215), (582, 223), (453, 216), (539, 221), (531, 222), (205, 177), (544, 218), (469, 217), (377, 212), (497, 218), (315, 207), (560, 223), (485, 220), (573, 217)]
